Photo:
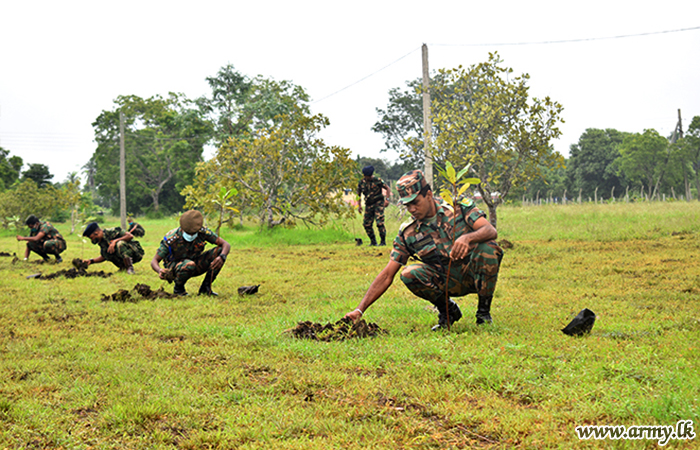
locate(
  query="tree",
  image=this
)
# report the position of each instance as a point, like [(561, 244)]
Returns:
[(239, 105), (592, 163), (486, 119), (164, 141), (689, 150), (285, 171), (27, 198), (39, 173), (9, 169), (644, 158), (401, 123)]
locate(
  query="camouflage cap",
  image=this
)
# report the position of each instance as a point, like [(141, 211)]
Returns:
[(409, 185), (191, 221)]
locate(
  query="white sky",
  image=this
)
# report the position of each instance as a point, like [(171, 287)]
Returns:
[(63, 62)]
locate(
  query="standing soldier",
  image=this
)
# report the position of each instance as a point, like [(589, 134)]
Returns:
[(116, 246), (374, 190), (183, 252), (135, 228), (44, 240)]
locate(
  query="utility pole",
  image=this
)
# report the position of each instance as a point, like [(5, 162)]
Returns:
[(122, 172), (427, 123)]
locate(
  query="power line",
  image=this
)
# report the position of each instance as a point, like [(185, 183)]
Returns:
[(368, 76), (562, 41), (566, 41)]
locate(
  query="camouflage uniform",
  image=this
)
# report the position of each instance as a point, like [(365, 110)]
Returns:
[(176, 252), (131, 248), (374, 206), (138, 231), (52, 243), (431, 243)]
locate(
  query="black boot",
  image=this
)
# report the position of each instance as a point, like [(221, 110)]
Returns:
[(128, 265), (382, 241), (179, 289), (373, 242), (58, 259), (454, 315), (205, 288), (483, 310)]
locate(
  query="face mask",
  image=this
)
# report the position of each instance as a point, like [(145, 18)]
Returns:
[(189, 237)]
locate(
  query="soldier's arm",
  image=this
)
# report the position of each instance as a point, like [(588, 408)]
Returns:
[(97, 260), (35, 238), (378, 287), (221, 259), (483, 232), (155, 265)]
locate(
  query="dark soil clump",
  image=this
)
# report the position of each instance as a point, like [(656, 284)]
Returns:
[(6, 254), (505, 244), (79, 264), (339, 331), (74, 273), (140, 292), (248, 290)]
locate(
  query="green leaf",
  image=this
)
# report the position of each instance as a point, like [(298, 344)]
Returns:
[(451, 175), (464, 188), (472, 181), (447, 196), (463, 171)]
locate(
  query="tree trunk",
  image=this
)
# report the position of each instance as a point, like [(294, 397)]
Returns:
[(492, 214)]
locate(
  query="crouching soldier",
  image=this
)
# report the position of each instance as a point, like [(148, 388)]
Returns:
[(135, 228), (116, 246), (184, 255), (44, 240)]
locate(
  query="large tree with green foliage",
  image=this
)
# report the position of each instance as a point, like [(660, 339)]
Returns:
[(592, 166), (285, 172), (39, 173), (486, 118), (644, 159), (27, 198), (164, 139), (10, 167), (239, 105), (689, 153)]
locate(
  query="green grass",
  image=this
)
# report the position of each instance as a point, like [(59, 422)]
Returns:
[(79, 373)]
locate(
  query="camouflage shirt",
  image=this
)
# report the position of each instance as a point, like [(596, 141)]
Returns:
[(49, 232), (431, 243), (174, 247), (110, 234), (372, 190)]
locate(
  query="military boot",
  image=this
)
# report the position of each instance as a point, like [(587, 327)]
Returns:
[(483, 310), (382, 241), (454, 315), (129, 265), (373, 242), (179, 289), (205, 288)]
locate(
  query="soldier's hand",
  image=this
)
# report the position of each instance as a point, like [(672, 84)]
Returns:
[(461, 248), (354, 315), (112, 245), (218, 263), (161, 273), (87, 261), (19, 238), (386, 202), (359, 209)]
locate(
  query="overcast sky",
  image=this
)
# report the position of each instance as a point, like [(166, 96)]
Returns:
[(611, 64)]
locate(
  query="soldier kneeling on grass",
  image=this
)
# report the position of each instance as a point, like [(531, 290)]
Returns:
[(44, 240), (184, 255), (116, 246)]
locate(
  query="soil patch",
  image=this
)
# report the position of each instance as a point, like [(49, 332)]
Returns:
[(140, 292), (72, 273), (339, 331), (6, 254)]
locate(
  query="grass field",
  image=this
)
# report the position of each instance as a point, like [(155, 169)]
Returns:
[(77, 372)]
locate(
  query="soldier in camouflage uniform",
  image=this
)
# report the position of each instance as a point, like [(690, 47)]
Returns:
[(428, 237), (135, 228), (374, 190), (44, 240), (116, 246), (182, 249)]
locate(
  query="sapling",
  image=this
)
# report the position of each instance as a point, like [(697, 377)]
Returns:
[(456, 187)]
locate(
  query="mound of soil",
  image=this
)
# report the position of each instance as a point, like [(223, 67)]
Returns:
[(140, 292), (6, 254), (169, 275), (339, 331), (79, 264), (72, 273), (505, 244)]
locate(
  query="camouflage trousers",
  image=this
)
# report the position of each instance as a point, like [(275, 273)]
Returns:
[(47, 247), (476, 275), (374, 212), (132, 249), (184, 270)]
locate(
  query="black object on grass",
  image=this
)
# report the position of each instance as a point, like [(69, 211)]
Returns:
[(582, 323)]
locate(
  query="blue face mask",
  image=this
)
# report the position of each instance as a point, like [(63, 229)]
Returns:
[(189, 237)]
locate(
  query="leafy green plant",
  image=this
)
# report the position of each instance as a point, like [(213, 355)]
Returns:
[(224, 203)]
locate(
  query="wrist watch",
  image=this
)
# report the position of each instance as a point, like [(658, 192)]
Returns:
[(222, 256)]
